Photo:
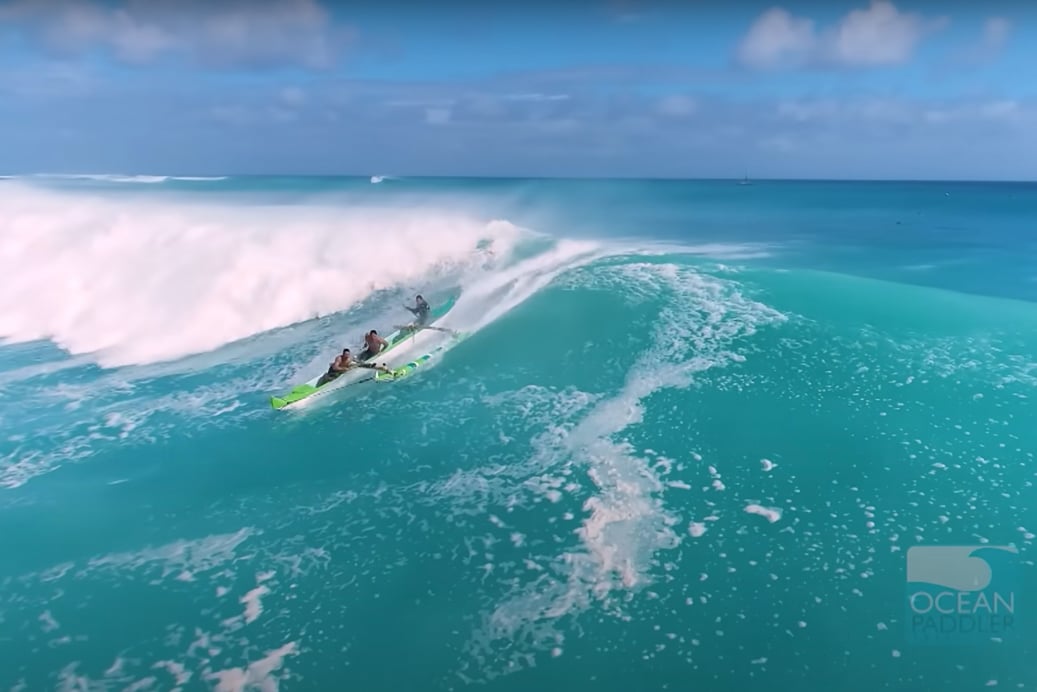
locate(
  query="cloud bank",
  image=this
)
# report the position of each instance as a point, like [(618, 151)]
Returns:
[(879, 35), (221, 34)]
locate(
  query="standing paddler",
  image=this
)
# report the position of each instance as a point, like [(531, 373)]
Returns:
[(421, 311)]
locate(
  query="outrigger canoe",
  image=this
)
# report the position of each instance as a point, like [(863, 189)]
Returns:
[(396, 340)]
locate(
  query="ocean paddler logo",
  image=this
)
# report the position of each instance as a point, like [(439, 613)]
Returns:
[(962, 594)]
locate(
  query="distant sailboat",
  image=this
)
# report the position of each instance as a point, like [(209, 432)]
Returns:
[(745, 180)]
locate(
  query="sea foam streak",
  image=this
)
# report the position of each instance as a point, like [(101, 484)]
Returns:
[(626, 524), (143, 281)]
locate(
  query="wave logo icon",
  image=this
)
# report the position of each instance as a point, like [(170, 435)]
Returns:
[(962, 594)]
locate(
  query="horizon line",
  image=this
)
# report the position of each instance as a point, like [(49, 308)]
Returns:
[(427, 176)]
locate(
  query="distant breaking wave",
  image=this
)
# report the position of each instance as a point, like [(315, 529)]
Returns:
[(121, 178)]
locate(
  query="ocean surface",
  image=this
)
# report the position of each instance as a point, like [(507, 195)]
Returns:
[(692, 434)]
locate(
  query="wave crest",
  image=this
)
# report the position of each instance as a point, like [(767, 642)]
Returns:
[(146, 281)]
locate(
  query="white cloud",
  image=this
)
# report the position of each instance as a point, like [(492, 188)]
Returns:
[(253, 114), (625, 12), (438, 116), (420, 103), (858, 112), (1004, 111), (537, 97), (486, 105), (997, 110), (994, 37), (232, 115), (777, 38), (50, 79), (282, 115), (677, 106), (878, 35), (74, 27), (220, 34), (873, 110), (884, 110), (805, 111), (995, 32), (293, 96)]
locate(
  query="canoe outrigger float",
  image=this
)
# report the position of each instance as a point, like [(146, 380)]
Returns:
[(408, 368), (398, 341)]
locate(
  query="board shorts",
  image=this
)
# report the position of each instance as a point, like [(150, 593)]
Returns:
[(327, 377)]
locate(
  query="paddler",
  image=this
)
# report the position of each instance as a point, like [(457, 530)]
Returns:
[(421, 311), (342, 363), (374, 344)]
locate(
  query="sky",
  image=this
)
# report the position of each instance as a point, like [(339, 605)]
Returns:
[(858, 89)]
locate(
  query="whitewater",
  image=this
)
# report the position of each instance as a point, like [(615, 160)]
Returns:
[(692, 434)]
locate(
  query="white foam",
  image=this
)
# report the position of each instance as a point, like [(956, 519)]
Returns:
[(127, 178), (177, 670), (730, 251), (258, 674), (107, 177), (488, 296), (47, 622), (194, 556), (145, 280), (772, 514), (253, 603)]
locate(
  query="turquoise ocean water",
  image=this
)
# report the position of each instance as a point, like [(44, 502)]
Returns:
[(692, 434)]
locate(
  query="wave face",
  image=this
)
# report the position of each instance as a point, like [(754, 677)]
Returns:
[(688, 431)]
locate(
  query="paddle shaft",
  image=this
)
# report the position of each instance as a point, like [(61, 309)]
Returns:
[(417, 328)]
